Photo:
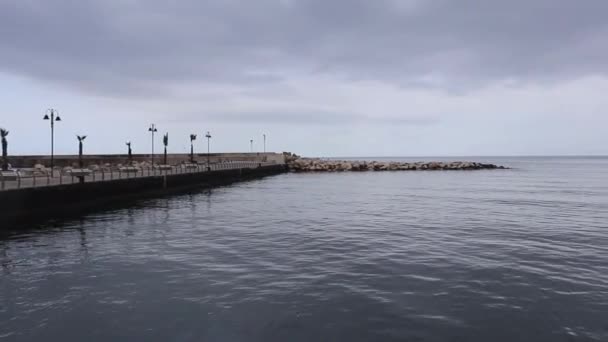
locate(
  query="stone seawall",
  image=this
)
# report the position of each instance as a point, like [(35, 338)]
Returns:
[(34, 204)]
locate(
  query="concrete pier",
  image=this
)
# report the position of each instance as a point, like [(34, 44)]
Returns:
[(28, 161), (48, 202)]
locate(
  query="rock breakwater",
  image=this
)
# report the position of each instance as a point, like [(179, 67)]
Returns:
[(296, 164)]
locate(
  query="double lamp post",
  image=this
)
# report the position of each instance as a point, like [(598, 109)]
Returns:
[(52, 115)]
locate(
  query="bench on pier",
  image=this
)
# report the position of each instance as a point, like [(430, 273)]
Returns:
[(190, 166), (10, 175), (163, 167), (79, 172), (129, 169), (26, 172)]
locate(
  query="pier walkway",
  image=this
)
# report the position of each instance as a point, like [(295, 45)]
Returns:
[(46, 180)]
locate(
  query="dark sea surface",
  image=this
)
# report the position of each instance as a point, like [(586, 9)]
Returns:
[(503, 255)]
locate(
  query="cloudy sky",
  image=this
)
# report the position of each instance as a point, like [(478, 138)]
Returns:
[(319, 77)]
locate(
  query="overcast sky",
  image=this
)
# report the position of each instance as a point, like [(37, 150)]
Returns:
[(319, 77)]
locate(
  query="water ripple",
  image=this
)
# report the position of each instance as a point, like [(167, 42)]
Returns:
[(422, 256)]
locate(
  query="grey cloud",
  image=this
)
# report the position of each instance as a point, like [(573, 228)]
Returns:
[(136, 47), (304, 118)]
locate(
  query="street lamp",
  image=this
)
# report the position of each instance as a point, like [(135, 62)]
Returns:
[(52, 118), (208, 136), (264, 135), (152, 130)]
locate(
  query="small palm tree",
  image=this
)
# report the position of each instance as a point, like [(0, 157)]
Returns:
[(4, 134), (130, 152), (192, 138), (80, 140), (166, 143)]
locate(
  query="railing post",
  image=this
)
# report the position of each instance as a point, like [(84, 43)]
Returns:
[(60, 178), (34, 185), (18, 180), (103, 175), (48, 179), (2, 181)]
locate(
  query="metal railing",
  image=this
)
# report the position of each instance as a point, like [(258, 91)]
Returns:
[(102, 175)]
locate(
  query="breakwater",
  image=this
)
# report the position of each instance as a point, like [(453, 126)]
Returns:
[(58, 200), (297, 164)]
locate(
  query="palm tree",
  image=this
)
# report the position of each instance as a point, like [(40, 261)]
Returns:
[(130, 154), (166, 143), (4, 134), (80, 140), (192, 138)]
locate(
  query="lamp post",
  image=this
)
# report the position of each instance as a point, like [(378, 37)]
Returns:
[(52, 118), (251, 145), (152, 130), (208, 136), (264, 135)]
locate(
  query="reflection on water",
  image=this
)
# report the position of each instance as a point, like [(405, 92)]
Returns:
[(515, 255)]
